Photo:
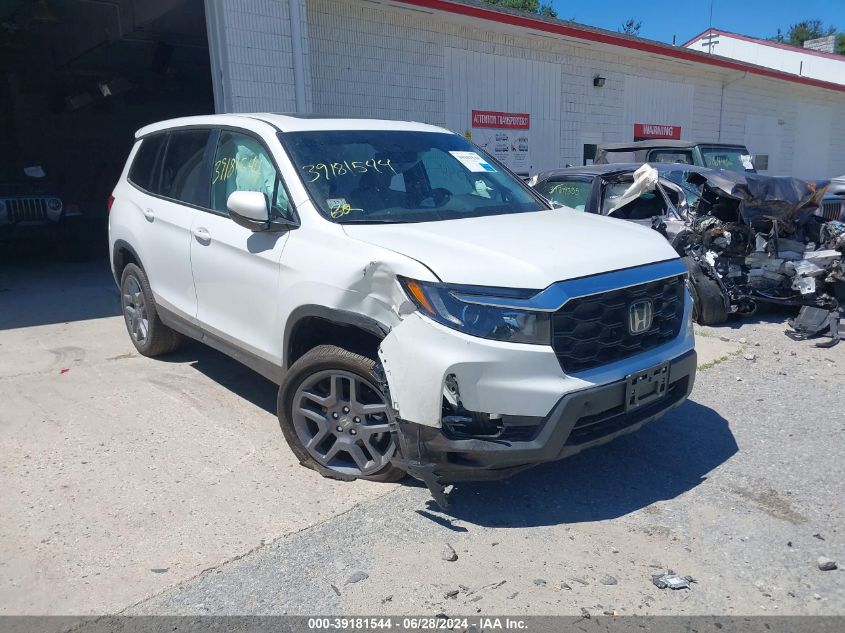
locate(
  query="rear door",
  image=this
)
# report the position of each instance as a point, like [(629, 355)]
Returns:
[(173, 195), (236, 271)]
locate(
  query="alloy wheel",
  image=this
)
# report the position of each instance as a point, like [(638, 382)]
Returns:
[(135, 310), (343, 421)]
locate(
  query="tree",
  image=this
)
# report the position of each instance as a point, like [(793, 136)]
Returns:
[(533, 6), (807, 30), (631, 27)]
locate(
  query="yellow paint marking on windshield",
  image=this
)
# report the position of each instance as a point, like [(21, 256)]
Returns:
[(333, 170), (341, 209), (564, 188)]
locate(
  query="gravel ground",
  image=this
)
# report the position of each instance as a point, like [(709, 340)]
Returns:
[(741, 488)]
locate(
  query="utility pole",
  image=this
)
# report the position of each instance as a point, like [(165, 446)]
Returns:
[(710, 28)]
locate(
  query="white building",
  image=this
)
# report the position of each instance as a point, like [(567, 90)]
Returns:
[(803, 62), (77, 82), (439, 60)]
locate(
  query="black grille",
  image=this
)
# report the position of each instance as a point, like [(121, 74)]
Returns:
[(26, 209), (833, 209), (591, 331)]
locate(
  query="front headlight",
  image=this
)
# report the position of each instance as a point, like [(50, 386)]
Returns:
[(54, 209), (439, 302)]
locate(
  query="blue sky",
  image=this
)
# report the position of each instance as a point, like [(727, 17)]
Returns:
[(661, 19)]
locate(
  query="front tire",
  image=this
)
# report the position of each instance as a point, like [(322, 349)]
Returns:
[(336, 417), (708, 301), (150, 336)]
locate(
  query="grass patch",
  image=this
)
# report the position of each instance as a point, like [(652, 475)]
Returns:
[(721, 359)]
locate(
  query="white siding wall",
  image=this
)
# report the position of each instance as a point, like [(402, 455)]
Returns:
[(649, 100), (755, 97), (506, 84), (370, 62), (795, 61), (395, 62), (252, 55)]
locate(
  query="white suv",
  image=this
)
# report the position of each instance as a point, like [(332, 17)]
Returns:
[(421, 308)]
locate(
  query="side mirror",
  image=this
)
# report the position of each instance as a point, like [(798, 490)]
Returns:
[(249, 209)]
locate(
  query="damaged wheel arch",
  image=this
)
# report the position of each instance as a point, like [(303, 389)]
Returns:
[(312, 325)]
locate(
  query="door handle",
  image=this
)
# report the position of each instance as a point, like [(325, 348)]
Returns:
[(202, 234), (149, 214)]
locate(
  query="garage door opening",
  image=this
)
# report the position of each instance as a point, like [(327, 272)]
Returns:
[(77, 78)]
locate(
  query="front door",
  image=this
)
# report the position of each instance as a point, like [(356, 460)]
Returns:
[(236, 271)]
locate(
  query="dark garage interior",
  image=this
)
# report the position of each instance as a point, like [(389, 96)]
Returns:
[(79, 77)]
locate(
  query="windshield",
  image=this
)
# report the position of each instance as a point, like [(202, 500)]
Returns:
[(391, 176), (574, 193), (730, 158)]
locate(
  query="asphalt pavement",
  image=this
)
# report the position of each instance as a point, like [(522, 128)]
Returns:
[(163, 486)]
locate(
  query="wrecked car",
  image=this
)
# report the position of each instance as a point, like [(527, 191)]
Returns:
[(628, 192), (724, 156), (759, 239), (422, 309)]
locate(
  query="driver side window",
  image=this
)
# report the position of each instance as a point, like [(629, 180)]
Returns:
[(241, 163)]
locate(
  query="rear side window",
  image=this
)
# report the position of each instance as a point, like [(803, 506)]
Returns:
[(143, 167), (184, 167)]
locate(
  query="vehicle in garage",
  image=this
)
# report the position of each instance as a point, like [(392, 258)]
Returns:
[(712, 155), (78, 78), (421, 308), (32, 209)]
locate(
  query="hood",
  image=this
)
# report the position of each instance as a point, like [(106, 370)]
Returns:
[(520, 250)]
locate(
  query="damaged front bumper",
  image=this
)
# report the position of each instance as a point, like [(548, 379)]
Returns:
[(578, 421), (470, 408)]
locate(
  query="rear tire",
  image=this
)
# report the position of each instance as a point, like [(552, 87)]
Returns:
[(336, 417), (150, 336), (708, 302)]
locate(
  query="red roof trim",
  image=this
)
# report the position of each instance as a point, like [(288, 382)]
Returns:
[(757, 40), (605, 37)]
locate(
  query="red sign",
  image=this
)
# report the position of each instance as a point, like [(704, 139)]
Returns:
[(507, 120), (643, 131)]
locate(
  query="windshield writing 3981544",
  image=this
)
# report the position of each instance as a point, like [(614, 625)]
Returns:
[(333, 170)]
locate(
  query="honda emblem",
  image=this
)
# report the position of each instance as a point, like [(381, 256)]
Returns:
[(640, 315)]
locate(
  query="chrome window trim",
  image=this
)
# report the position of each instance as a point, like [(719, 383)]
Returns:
[(558, 294)]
